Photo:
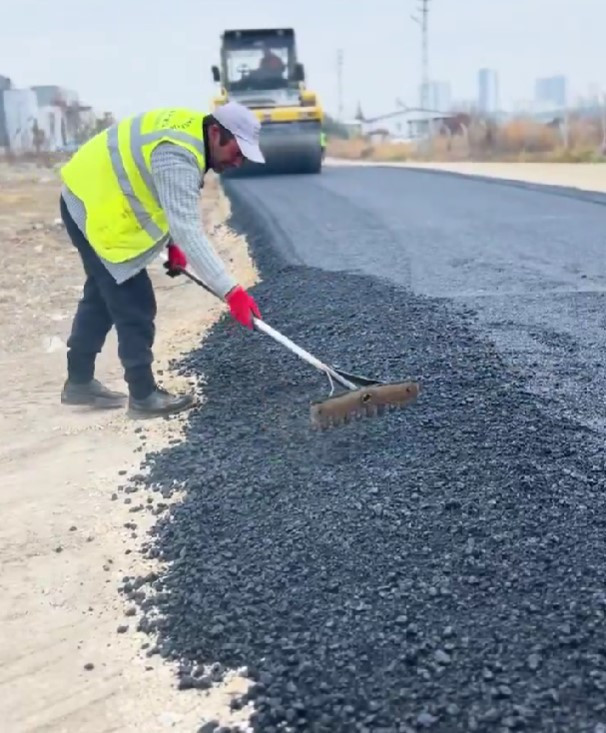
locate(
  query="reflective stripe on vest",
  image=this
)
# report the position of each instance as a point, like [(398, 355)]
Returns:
[(111, 174)]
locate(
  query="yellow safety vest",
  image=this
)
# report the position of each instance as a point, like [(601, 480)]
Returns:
[(111, 175)]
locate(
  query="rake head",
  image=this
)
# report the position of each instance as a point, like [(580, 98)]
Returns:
[(368, 401)]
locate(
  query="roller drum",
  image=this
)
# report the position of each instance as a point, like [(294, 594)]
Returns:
[(288, 147)]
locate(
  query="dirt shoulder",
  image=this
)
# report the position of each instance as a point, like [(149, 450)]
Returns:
[(64, 546), (584, 176)]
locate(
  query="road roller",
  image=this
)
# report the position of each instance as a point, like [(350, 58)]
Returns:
[(259, 68)]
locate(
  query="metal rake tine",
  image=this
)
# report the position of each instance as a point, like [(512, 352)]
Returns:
[(367, 402)]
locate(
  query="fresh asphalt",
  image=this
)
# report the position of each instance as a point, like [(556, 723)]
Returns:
[(442, 568), (530, 260)]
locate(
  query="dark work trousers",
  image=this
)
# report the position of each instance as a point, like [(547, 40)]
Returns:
[(130, 307)]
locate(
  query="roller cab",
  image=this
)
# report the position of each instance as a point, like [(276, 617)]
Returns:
[(260, 69)]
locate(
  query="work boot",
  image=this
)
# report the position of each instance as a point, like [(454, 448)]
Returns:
[(91, 394), (159, 404)]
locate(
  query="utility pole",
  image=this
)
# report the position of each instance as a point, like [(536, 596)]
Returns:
[(340, 84), (423, 21)]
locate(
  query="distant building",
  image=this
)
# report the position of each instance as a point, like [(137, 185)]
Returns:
[(488, 91), (45, 118), (437, 96), (21, 119), (551, 91), (465, 106), (63, 115), (53, 125), (406, 125), (398, 125), (52, 95), (5, 84)]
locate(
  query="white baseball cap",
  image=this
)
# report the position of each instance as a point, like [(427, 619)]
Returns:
[(244, 126)]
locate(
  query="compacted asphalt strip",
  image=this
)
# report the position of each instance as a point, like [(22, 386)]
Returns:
[(442, 568), (530, 260)]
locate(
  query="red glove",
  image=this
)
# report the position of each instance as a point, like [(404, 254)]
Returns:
[(242, 306), (176, 260)]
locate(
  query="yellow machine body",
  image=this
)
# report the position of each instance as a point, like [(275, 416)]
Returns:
[(290, 114)]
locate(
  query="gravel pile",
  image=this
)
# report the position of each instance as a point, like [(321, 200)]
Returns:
[(442, 569)]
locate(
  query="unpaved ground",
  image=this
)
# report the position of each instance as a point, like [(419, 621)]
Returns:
[(63, 544), (585, 176)]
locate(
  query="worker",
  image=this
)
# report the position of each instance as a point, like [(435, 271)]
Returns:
[(323, 143), (270, 63), (129, 194)]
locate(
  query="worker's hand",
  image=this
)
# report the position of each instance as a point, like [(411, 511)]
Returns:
[(176, 260), (242, 306)]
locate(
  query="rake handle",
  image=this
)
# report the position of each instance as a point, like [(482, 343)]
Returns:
[(260, 325), (301, 353)]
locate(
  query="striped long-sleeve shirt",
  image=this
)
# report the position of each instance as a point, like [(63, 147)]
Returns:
[(177, 180)]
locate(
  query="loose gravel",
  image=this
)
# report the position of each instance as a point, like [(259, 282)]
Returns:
[(528, 259), (442, 568)]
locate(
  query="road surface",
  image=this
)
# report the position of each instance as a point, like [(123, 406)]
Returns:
[(529, 260), (443, 568)]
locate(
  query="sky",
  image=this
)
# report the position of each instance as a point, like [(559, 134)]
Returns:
[(129, 55)]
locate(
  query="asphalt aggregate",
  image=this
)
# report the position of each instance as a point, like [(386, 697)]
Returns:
[(441, 568)]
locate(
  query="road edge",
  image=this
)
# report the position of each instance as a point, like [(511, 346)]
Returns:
[(596, 197)]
